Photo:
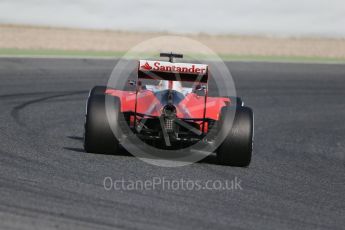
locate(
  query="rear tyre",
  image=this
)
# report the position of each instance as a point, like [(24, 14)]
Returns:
[(98, 90), (98, 136), (236, 101), (236, 148)]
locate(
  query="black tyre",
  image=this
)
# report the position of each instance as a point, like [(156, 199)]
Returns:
[(98, 136), (238, 101), (236, 148), (98, 90)]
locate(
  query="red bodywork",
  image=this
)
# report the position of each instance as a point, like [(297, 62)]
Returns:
[(191, 107)]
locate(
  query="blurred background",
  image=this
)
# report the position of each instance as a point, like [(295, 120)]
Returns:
[(295, 29)]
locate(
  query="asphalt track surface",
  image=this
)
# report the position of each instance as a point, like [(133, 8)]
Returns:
[(296, 179)]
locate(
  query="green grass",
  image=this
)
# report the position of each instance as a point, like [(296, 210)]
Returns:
[(59, 53), (282, 58), (115, 54)]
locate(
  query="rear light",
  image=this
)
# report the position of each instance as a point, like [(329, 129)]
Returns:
[(169, 124)]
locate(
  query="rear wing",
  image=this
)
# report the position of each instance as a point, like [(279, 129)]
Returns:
[(161, 70)]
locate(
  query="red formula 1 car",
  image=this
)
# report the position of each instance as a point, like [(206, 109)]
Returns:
[(169, 108)]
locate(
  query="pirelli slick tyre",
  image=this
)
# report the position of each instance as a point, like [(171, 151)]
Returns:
[(98, 136), (98, 90), (236, 101), (236, 148)]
